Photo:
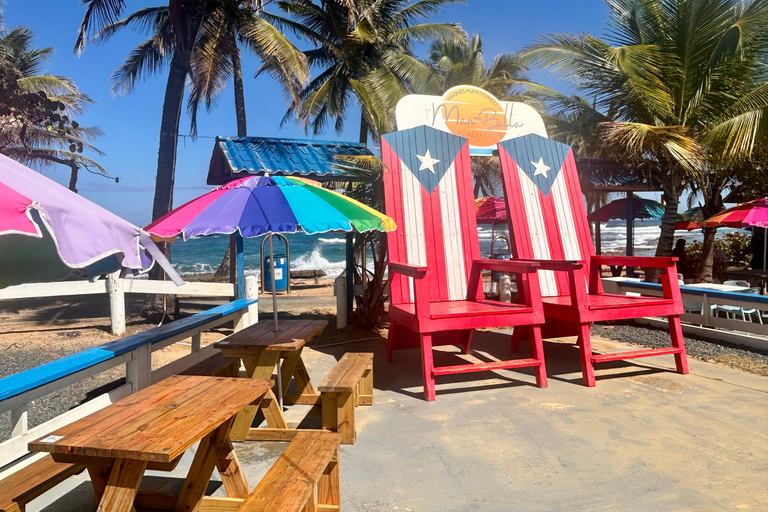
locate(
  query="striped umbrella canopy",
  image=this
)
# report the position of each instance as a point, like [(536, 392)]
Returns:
[(642, 209), (690, 219), (752, 214), (749, 214), (258, 205)]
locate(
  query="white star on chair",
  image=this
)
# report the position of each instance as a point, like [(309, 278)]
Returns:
[(541, 167), (427, 162)]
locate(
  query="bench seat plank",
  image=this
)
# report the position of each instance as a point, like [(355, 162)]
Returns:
[(291, 481), (31, 481), (347, 372)]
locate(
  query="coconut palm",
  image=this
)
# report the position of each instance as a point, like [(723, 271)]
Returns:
[(40, 132), (681, 83), (363, 53), (180, 33)]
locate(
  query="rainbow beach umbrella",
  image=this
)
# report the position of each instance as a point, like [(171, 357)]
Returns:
[(258, 205)]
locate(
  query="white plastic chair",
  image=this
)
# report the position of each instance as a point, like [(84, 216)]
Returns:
[(738, 310)]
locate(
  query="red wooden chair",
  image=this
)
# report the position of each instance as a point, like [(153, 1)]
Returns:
[(547, 216), (436, 287)]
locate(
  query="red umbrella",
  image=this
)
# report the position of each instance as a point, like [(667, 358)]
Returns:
[(749, 214), (490, 210)]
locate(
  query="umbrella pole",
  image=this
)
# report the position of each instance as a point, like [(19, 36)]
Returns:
[(274, 285), (765, 246)]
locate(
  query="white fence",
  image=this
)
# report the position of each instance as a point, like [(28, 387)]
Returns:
[(116, 288), (138, 371), (702, 315)]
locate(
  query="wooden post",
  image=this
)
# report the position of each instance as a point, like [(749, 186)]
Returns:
[(19, 420), (196, 339), (138, 371), (116, 303), (350, 272), (252, 292), (240, 290), (630, 230)]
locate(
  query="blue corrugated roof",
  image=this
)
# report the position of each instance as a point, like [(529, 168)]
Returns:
[(263, 155)]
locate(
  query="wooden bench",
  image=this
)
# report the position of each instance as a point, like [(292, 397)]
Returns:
[(31, 481), (217, 365), (347, 385), (305, 478)]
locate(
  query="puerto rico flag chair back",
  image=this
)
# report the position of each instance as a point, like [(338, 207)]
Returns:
[(547, 214), (434, 257)]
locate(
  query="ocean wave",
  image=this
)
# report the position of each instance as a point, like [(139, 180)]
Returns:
[(334, 241), (315, 260), (194, 268)]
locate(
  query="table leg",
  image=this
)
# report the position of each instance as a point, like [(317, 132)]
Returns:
[(231, 472), (258, 367), (202, 468), (273, 413), (122, 485), (301, 375), (99, 476), (288, 368)]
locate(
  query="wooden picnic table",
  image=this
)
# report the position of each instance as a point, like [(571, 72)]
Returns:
[(152, 429), (261, 348)]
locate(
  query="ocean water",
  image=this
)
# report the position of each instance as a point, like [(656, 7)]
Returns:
[(326, 251)]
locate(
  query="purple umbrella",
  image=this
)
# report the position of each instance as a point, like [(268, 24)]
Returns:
[(81, 232)]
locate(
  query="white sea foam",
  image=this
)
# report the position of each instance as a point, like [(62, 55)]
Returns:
[(334, 241), (315, 260)]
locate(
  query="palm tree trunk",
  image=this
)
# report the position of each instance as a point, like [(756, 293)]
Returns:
[(73, 178), (704, 274), (237, 78), (166, 166), (169, 135)]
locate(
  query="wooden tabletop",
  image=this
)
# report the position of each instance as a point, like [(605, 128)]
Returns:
[(158, 423), (292, 336)]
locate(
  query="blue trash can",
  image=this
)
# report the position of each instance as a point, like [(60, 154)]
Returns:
[(281, 273), (495, 275)]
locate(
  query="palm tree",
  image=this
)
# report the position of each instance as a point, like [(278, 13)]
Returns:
[(175, 32), (35, 139), (463, 63), (363, 50), (681, 84)]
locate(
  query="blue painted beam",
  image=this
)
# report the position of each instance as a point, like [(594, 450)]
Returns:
[(22, 382), (717, 294)]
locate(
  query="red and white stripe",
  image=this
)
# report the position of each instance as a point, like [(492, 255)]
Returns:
[(551, 227), (437, 230)]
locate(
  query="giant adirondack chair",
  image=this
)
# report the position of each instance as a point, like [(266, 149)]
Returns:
[(434, 257), (547, 216)]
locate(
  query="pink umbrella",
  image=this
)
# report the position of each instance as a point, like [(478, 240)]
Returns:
[(749, 214), (15, 217)]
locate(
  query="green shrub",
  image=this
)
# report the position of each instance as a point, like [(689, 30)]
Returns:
[(735, 244)]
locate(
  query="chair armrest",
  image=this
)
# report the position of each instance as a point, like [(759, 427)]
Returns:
[(636, 261), (508, 265), (557, 265), (407, 269)]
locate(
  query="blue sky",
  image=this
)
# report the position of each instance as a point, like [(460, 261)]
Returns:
[(131, 122)]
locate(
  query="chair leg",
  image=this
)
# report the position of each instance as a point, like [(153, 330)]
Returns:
[(518, 338), (585, 352), (537, 347), (469, 342), (391, 340), (676, 331), (427, 365)]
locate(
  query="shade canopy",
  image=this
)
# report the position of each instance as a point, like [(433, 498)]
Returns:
[(239, 157), (690, 219), (642, 209), (749, 214), (49, 230), (258, 205)]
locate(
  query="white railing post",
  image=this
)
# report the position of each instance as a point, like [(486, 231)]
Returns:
[(138, 371), (707, 309), (116, 303), (196, 339), (19, 421), (252, 292)]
